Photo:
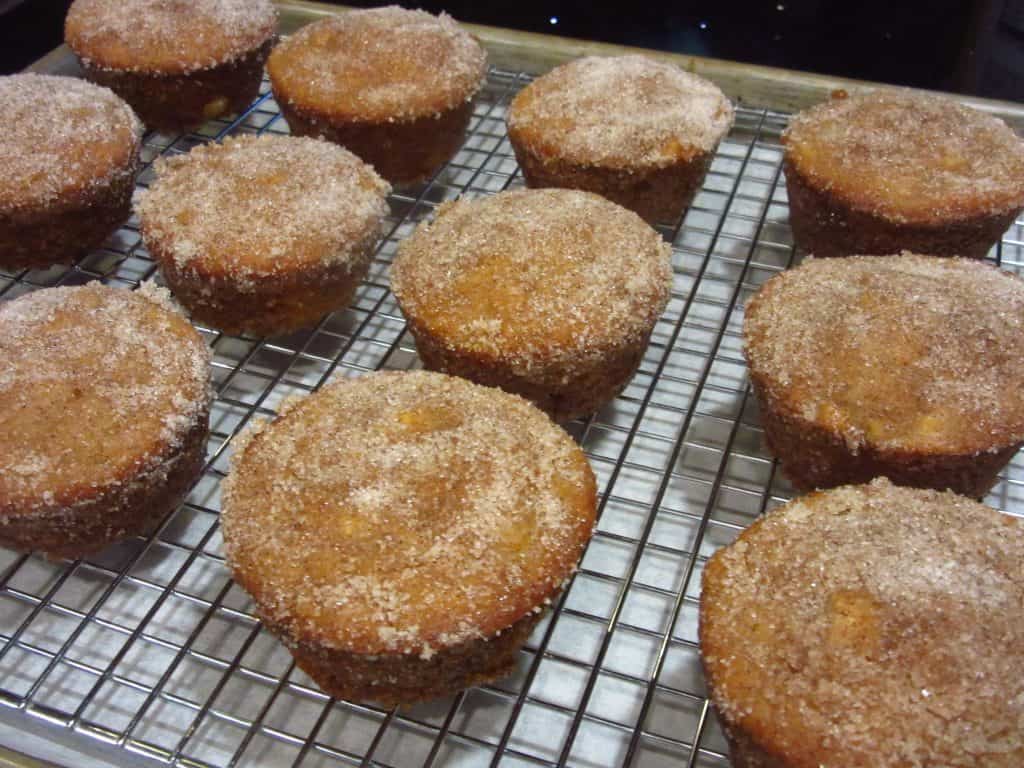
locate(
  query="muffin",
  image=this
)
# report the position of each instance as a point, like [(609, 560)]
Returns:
[(104, 404), (402, 532), (886, 171), (392, 85), (637, 131), (178, 64), (69, 156), (904, 366), (265, 235), (548, 293), (869, 626)]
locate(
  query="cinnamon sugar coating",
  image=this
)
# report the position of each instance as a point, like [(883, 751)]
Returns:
[(169, 38), (635, 130), (392, 85), (550, 293), (69, 158), (266, 234), (137, 375), (905, 366), (177, 63), (394, 529), (869, 626), (884, 171)]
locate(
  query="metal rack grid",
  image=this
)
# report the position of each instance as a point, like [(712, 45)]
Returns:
[(149, 649)]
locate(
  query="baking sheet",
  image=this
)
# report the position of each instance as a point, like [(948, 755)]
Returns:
[(149, 652)]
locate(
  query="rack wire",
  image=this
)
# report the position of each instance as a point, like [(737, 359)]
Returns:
[(149, 649)]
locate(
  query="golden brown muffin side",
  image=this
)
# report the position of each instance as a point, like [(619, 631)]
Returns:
[(908, 158), (167, 38), (405, 516), (868, 626), (907, 359), (135, 376)]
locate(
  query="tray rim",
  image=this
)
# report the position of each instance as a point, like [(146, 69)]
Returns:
[(754, 85)]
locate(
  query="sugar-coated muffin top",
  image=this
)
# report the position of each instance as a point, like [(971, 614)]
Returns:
[(904, 352), (913, 158), (64, 137), (534, 277), (132, 369), (167, 36), (405, 513), (258, 206), (380, 64), (871, 625), (620, 112)]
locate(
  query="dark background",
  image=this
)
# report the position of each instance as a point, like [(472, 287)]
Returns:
[(967, 47)]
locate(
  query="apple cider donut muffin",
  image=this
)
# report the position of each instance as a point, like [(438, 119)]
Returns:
[(104, 403), (548, 293), (392, 85), (265, 235), (907, 366), (69, 155), (402, 532), (637, 131), (177, 63), (869, 625), (886, 171)]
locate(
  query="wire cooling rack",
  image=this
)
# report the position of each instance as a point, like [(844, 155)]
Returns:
[(150, 651)]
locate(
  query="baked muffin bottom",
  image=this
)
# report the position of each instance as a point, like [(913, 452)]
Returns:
[(268, 305), (406, 679), (402, 151), (825, 225), (590, 383), (660, 195), (812, 457), (98, 519), (42, 237), (179, 102)]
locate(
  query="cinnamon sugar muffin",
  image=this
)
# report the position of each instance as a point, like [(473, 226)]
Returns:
[(635, 130), (904, 366), (392, 85), (548, 293), (402, 532), (264, 234), (69, 156), (177, 63), (104, 403), (885, 171), (869, 626)]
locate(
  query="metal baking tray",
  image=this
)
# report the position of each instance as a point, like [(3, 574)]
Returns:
[(148, 653)]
